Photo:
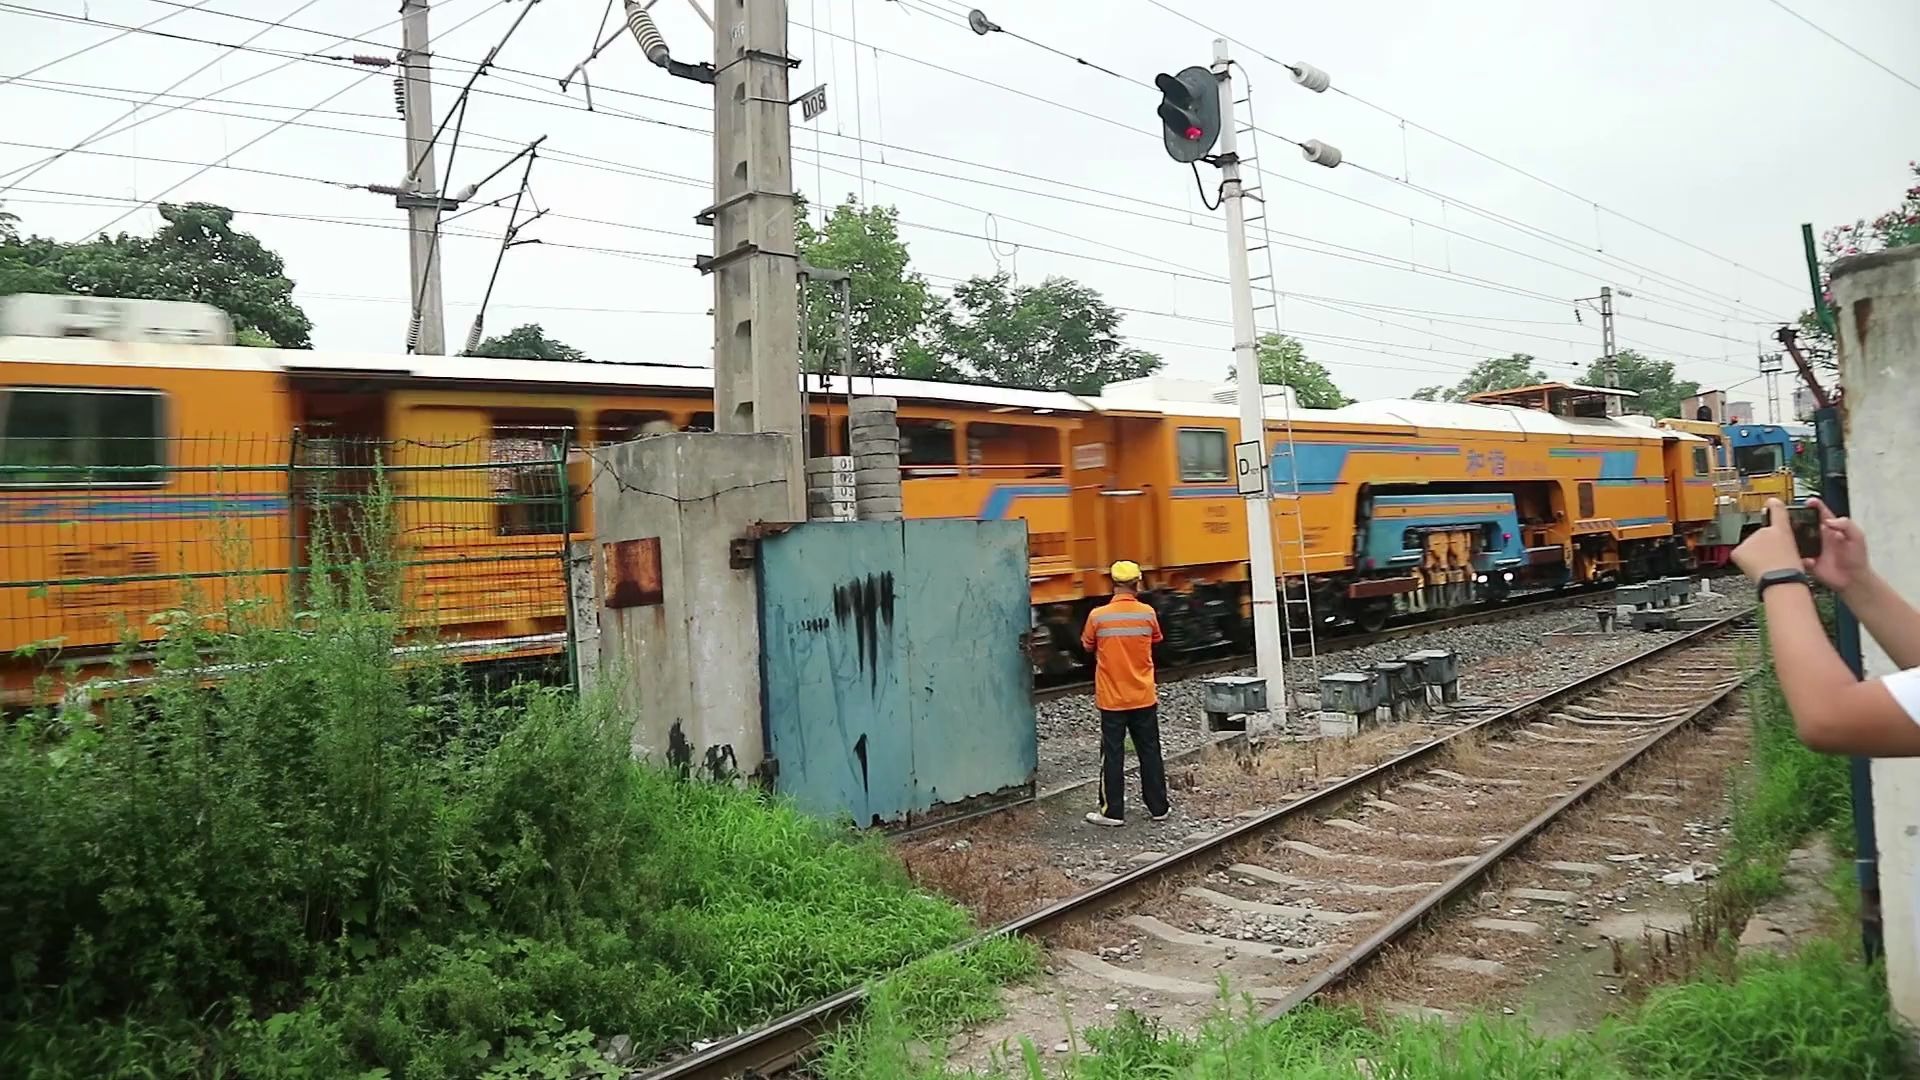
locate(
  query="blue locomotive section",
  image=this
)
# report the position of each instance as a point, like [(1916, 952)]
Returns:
[(1394, 533)]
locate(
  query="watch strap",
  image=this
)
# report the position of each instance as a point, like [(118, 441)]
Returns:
[(1781, 577)]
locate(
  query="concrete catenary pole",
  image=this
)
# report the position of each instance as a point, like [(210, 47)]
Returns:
[(427, 327), (1877, 308), (1267, 641), (1607, 348), (756, 357)]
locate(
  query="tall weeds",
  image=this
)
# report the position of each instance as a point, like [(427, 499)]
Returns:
[(327, 862)]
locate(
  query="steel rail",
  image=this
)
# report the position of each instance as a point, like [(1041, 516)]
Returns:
[(784, 1040), (1470, 875)]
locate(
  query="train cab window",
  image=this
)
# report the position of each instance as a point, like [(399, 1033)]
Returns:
[(1021, 451), (625, 425), (1758, 460), (1699, 461), (56, 436), (1203, 454), (926, 448), (526, 448), (1586, 499)]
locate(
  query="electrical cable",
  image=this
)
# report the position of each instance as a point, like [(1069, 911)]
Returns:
[(1843, 43), (176, 84), (1202, 187), (1477, 152), (83, 50)]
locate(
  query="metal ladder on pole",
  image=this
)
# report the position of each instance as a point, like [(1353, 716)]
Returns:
[(1290, 541)]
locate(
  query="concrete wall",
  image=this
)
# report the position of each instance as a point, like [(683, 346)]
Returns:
[(1877, 301), (687, 664)]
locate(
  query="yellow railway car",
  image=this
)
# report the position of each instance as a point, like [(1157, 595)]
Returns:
[(135, 474)]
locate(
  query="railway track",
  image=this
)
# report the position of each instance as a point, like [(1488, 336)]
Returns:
[(1352, 867), (1345, 641)]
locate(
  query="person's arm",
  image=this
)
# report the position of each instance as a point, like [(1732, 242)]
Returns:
[(1087, 637), (1887, 616), (1832, 711)]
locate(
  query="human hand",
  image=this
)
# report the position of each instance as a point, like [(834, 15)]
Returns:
[(1843, 551), (1770, 547)]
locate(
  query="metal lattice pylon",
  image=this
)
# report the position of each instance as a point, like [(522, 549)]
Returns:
[(1290, 540)]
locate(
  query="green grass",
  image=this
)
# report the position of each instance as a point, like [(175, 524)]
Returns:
[(335, 867)]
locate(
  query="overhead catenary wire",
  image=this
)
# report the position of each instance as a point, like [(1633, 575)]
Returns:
[(85, 49), (1320, 153), (690, 129), (84, 140), (621, 167), (140, 121), (1477, 152), (1843, 43)]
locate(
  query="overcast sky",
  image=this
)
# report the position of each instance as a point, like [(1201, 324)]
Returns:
[(1723, 124)]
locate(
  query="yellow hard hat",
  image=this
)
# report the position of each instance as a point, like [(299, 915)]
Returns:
[(1124, 571)]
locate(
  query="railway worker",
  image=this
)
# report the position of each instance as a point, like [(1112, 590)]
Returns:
[(1832, 711), (1120, 635)]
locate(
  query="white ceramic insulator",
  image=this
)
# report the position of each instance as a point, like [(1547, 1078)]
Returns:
[(647, 34), (1311, 77), (1320, 153)]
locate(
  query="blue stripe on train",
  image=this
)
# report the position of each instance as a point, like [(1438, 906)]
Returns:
[(138, 508)]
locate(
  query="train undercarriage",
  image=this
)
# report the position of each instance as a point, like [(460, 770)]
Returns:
[(1215, 618)]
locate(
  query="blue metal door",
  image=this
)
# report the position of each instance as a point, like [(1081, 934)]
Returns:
[(832, 661), (970, 681), (891, 664)]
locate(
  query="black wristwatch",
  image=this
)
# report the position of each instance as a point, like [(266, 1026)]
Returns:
[(1780, 577)]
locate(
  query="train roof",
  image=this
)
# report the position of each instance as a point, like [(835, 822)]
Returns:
[(1465, 416), (1147, 396), (556, 373)]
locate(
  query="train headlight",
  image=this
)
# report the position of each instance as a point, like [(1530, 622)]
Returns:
[(1508, 575), (1481, 578)]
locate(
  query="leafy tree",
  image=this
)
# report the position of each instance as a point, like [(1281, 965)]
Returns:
[(1898, 227), (1496, 373), (1660, 393), (1057, 335), (1283, 362), (889, 302), (528, 342), (196, 256)]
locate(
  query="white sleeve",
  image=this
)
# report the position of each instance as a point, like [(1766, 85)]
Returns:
[(1905, 688)]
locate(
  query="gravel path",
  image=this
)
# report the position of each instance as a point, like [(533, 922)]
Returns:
[(1504, 662)]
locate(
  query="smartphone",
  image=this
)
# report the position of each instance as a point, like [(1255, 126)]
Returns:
[(1805, 523)]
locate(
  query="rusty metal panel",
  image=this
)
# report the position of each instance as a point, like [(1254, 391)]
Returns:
[(972, 686), (833, 667), (633, 572)]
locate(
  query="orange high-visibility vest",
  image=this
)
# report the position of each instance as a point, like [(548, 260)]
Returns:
[(1121, 636)]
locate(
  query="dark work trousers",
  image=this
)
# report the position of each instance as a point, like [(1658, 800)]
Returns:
[(1144, 727)]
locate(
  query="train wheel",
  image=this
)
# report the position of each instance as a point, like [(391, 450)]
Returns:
[(1372, 618)]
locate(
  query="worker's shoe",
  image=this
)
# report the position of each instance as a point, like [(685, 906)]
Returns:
[(1095, 817), (1161, 817)]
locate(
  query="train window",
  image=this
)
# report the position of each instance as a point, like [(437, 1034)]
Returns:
[(1699, 461), (700, 421), (625, 425), (526, 451), (1013, 450), (59, 436), (926, 446), (1586, 499), (1758, 460), (1203, 454), (816, 436)]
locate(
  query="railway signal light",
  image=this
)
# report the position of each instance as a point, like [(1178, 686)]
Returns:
[(1189, 113)]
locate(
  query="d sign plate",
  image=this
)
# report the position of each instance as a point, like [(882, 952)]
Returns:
[(1248, 468)]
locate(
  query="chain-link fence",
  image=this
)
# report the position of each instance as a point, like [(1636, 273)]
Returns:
[(99, 535)]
